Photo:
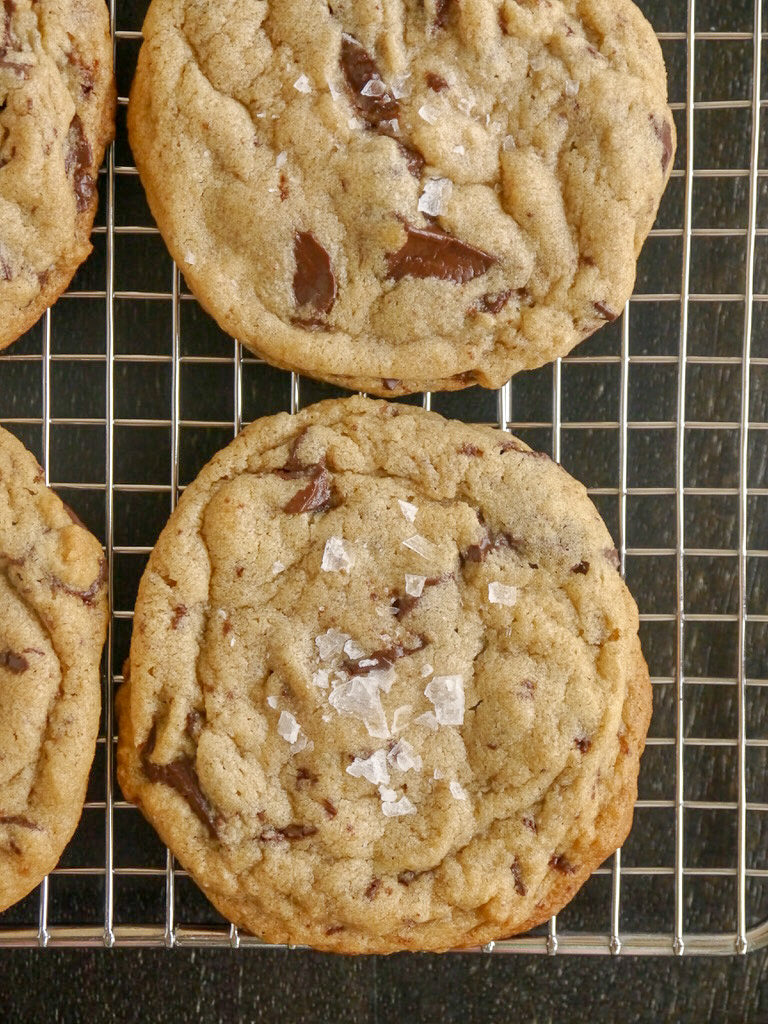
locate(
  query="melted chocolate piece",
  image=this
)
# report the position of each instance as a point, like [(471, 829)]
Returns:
[(442, 10), (413, 158), (492, 303), (582, 744), (77, 163), (19, 821), (664, 133), (194, 724), (530, 824), (359, 69), (470, 449), (304, 775), (436, 82), (511, 446), (181, 776), (383, 659), (334, 929), (86, 596), (489, 542), (314, 283), (292, 831), (178, 614), (560, 863), (407, 602), (520, 888), (623, 744), (431, 252), (316, 496), (330, 810), (15, 663), (581, 569), (605, 312), (373, 888)]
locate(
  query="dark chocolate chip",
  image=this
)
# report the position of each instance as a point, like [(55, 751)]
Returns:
[(88, 596), (493, 303), (181, 776), (413, 158), (431, 252), (314, 283), (15, 663), (531, 825), (315, 497), (605, 312), (305, 776), (436, 82), (78, 163), (293, 831), (334, 929), (663, 131), (581, 569), (384, 658), (470, 449), (330, 810), (520, 887), (179, 612), (442, 10), (373, 888), (405, 603), (582, 744), (487, 543), (359, 69), (561, 863), (19, 821)]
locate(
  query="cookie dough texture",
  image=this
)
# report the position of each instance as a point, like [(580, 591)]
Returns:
[(403, 194), (53, 617), (57, 101), (385, 686)]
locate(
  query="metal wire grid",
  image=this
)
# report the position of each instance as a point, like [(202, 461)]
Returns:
[(737, 915)]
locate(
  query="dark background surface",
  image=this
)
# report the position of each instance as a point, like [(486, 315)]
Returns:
[(292, 986)]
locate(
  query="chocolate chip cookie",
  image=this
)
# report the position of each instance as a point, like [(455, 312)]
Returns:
[(53, 620), (395, 195), (57, 102), (385, 686)]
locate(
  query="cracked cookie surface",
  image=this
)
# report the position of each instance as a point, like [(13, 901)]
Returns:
[(401, 194), (53, 620), (57, 102), (385, 686)]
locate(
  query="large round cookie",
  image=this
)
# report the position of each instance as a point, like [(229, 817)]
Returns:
[(401, 195), (53, 617), (57, 100), (386, 690)]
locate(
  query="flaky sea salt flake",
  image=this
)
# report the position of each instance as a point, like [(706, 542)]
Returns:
[(500, 593), (374, 87), (288, 727), (387, 795), (414, 585), (360, 698), (383, 677), (373, 769), (322, 678), (437, 774), (428, 720), (434, 198), (420, 545), (508, 144), (447, 694), (302, 84), (330, 643), (457, 790), (398, 808), (426, 670), (282, 159), (459, 150), (399, 85), (408, 509), (353, 650), (272, 701), (404, 757), (571, 87), (337, 555), (400, 717), (277, 568), (428, 114)]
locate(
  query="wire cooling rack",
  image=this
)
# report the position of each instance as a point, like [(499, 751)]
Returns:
[(126, 388)]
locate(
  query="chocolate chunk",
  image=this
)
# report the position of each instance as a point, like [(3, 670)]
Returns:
[(623, 745), (330, 810), (359, 69), (88, 596), (470, 449), (442, 10), (605, 312), (313, 281), (487, 543), (178, 614), (383, 659), (511, 446), (181, 776), (492, 303), (664, 132), (582, 744), (294, 468), (305, 776), (581, 569), (431, 252), (334, 929), (560, 863), (405, 603), (15, 663), (413, 158), (19, 821), (292, 831), (194, 725), (531, 825), (373, 888), (436, 82), (78, 162), (520, 888), (316, 496)]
